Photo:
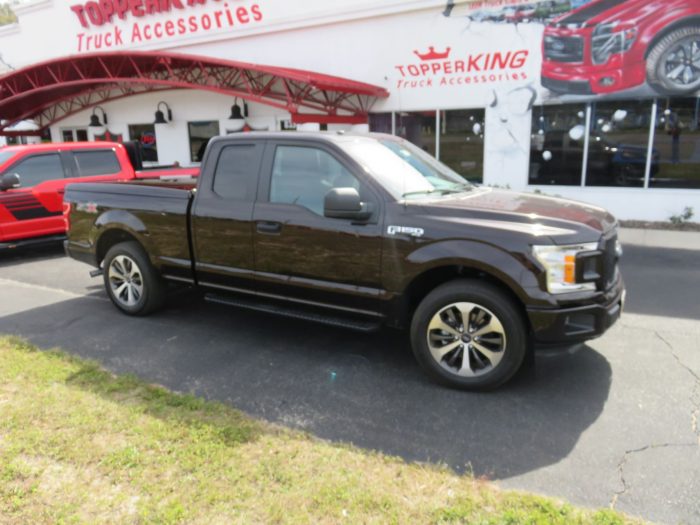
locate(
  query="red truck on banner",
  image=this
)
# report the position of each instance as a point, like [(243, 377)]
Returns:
[(33, 179), (606, 46)]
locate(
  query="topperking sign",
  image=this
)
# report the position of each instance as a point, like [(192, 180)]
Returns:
[(99, 20)]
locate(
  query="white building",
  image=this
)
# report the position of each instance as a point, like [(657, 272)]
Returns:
[(463, 81)]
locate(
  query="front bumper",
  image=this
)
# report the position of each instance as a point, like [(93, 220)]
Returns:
[(581, 79), (579, 323)]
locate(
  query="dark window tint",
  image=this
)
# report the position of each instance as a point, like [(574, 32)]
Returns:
[(676, 153), (303, 176), (618, 143), (74, 135), (236, 173), (200, 135), (418, 128), (146, 135), (462, 142), (556, 145), (38, 168), (91, 163)]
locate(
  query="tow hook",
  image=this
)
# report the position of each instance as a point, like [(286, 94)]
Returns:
[(96, 273)]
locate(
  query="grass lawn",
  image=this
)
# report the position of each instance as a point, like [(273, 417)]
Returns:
[(80, 445)]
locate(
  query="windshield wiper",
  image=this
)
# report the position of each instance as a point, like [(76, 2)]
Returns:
[(419, 192), (441, 191), (459, 189)]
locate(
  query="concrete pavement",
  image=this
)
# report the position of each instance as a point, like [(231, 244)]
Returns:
[(614, 422)]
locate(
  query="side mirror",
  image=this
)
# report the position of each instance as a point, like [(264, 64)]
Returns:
[(345, 203), (9, 180)]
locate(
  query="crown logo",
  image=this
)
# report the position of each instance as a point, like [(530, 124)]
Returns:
[(432, 54)]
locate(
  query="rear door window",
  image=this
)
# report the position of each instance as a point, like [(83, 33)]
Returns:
[(98, 162), (38, 168), (236, 175)]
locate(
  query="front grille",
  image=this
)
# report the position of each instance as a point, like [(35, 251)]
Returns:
[(563, 48), (610, 260)]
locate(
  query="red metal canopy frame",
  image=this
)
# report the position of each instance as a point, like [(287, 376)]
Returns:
[(53, 90)]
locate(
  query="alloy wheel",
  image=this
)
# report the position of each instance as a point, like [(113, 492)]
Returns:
[(125, 280), (466, 339), (681, 65)]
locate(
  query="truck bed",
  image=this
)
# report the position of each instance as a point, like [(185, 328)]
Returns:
[(154, 210)]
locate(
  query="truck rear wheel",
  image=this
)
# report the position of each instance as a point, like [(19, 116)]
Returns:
[(131, 282), (468, 334), (673, 64)]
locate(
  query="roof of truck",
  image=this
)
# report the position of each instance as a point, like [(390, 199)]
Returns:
[(327, 136), (53, 146)]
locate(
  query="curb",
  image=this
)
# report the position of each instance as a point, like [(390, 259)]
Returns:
[(676, 240)]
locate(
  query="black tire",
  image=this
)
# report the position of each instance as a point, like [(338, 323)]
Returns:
[(440, 306), (147, 292), (661, 60)]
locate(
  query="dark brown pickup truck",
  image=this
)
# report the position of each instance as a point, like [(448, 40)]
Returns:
[(361, 231)]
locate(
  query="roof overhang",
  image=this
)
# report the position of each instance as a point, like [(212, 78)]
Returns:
[(53, 90)]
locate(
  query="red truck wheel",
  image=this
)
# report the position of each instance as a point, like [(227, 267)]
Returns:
[(673, 64)]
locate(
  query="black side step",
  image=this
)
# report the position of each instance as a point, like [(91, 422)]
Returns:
[(296, 312)]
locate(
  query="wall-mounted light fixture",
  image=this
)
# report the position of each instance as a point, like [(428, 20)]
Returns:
[(160, 116), (95, 119), (236, 113)]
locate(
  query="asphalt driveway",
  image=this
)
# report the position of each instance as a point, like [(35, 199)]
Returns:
[(614, 422)]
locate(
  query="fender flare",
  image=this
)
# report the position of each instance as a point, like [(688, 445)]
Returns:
[(123, 221), (504, 266)]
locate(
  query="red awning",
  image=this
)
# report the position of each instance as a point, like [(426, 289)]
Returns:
[(50, 91)]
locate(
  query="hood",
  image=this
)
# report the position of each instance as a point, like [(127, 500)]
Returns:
[(563, 220), (608, 11)]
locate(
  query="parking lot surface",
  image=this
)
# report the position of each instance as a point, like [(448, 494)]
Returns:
[(614, 422)]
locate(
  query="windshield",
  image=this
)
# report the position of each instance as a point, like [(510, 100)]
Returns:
[(4, 155), (405, 170)]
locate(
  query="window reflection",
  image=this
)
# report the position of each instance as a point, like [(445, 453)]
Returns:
[(556, 144), (618, 142), (200, 135), (462, 142), (418, 128), (677, 143)]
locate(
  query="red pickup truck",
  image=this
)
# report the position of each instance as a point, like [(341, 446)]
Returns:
[(33, 179), (610, 45)]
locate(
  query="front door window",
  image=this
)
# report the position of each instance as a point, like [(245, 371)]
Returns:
[(304, 175)]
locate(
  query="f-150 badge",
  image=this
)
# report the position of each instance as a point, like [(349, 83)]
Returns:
[(413, 232)]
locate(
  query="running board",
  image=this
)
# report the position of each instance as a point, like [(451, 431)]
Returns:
[(352, 323)]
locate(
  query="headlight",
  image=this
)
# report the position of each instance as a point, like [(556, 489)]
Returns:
[(560, 262), (609, 39)]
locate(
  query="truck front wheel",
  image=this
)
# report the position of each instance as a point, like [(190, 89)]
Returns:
[(469, 334), (131, 282), (673, 64)]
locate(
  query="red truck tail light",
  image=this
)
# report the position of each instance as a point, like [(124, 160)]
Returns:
[(66, 215)]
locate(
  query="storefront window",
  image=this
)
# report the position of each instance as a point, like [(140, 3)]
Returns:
[(618, 143), (676, 144), (200, 134), (462, 142), (74, 135), (146, 135), (418, 128), (556, 145), (380, 122)]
